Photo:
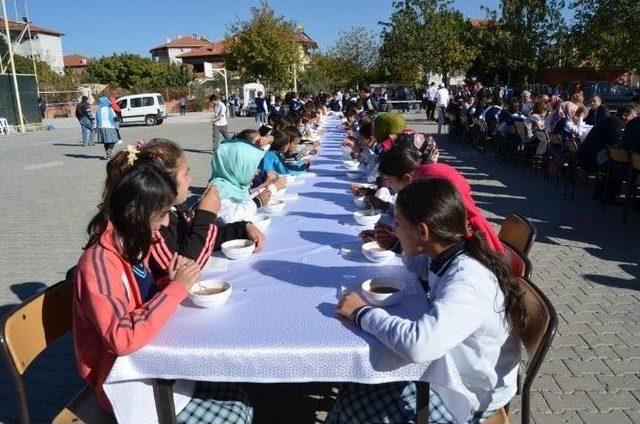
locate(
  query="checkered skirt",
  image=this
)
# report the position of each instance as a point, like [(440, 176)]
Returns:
[(387, 403), (217, 403)]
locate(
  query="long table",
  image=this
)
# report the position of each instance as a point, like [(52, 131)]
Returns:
[(280, 325)]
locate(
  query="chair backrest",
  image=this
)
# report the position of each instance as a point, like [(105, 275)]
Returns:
[(539, 331), (618, 154), (518, 262), (521, 129), (33, 326), (517, 231)]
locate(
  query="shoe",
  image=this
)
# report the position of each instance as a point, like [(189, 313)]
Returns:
[(119, 142)]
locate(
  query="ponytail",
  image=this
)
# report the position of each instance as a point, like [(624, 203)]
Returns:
[(436, 202)]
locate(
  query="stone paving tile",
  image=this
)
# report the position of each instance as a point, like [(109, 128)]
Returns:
[(586, 260)]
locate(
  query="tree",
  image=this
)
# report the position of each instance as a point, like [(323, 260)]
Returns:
[(520, 38), (605, 33), (356, 50), (263, 48), (426, 36)]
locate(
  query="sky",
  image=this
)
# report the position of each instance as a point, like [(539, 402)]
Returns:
[(97, 28)]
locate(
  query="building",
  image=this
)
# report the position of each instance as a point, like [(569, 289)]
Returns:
[(76, 63), (203, 54), (45, 44)]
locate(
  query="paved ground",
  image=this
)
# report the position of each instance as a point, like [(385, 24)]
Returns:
[(585, 259)]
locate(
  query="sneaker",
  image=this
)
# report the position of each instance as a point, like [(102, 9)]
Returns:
[(119, 142)]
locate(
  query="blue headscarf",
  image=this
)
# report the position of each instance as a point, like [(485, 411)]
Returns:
[(233, 165)]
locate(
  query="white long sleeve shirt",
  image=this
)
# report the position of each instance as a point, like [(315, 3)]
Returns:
[(465, 320), (442, 97)]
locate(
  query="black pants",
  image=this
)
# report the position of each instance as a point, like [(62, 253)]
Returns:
[(431, 109)]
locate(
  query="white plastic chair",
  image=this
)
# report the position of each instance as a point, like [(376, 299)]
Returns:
[(4, 126)]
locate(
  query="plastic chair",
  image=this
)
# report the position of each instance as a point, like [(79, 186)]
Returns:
[(617, 156), (29, 330), (518, 262), (518, 232), (632, 183)]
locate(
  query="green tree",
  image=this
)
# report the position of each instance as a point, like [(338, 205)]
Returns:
[(426, 36), (356, 52), (605, 33), (263, 48), (324, 72)]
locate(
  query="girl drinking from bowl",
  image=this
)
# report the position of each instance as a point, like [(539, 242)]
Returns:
[(192, 233), (474, 316), (120, 304), (275, 159), (233, 167)]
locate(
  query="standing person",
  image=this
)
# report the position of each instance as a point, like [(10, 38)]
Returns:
[(106, 126), (442, 101), (431, 100), (42, 107), (218, 122), (232, 106), (526, 106), (83, 114), (116, 108), (262, 109), (183, 105)]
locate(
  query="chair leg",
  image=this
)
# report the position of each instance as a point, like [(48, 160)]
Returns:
[(422, 402), (163, 392)]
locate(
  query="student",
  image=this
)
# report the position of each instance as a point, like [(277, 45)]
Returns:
[(218, 122), (106, 126), (474, 316), (386, 127), (275, 160), (262, 109), (120, 305), (116, 108), (233, 166), (191, 232)]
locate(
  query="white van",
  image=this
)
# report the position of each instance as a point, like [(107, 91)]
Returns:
[(145, 108)]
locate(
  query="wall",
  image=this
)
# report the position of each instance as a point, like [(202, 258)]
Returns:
[(28, 98), (47, 48)]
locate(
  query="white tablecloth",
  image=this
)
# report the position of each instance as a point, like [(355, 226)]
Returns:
[(280, 323)]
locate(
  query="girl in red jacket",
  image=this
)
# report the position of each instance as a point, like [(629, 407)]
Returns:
[(120, 304)]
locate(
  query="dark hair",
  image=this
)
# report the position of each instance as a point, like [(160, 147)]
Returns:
[(84, 99), (498, 101), (213, 98), (399, 161), (366, 128), (292, 132), (436, 202), (280, 140), (624, 111), (161, 152), (636, 99), (142, 192), (539, 107), (248, 134)]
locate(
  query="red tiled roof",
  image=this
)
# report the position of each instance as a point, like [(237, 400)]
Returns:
[(19, 26), (183, 42), (303, 38), (480, 22), (76, 61), (210, 49)]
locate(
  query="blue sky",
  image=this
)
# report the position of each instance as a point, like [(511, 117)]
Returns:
[(97, 28)]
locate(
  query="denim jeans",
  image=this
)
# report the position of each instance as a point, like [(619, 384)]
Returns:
[(261, 117), (85, 125)]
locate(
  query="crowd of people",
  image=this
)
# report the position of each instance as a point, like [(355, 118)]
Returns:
[(148, 244)]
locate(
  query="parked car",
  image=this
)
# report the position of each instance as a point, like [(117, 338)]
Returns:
[(613, 95), (147, 108)]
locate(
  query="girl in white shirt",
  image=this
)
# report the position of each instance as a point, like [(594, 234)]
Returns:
[(475, 314)]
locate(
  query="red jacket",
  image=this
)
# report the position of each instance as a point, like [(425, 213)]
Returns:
[(109, 316)]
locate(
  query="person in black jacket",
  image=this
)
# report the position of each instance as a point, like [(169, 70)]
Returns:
[(598, 111), (85, 118)]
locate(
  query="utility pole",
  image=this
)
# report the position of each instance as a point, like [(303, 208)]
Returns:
[(13, 67), (33, 57)]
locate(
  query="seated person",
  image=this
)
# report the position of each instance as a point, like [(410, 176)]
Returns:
[(275, 159), (475, 314), (233, 166)]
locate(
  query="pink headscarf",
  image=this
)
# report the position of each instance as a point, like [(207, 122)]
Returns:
[(476, 218)]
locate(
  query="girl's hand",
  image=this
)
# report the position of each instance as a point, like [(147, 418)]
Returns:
[(348, 305), (376, 203), (386, 239), (280, 183), (187, 275), (271, 176), (265, 196), (253, 233), (358, 190), (210, 200), (176, 262)]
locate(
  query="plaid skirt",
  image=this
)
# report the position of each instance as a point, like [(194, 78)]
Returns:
[(388, 403), (217, 403), (107, 135)]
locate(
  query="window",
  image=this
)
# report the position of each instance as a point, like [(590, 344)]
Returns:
[(123, 104), (160, 100), (148, 101), (136, 102)]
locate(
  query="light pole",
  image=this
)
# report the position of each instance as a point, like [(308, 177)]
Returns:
[(13, 67)]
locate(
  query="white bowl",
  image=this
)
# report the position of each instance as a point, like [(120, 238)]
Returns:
[(367, 218), (383, 299), (355, 175), (238, 249), (221, 289), (359, 201), (278, 194), (351, 165), (275, 206), (261, 221), (373, 252), (290, 178)]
